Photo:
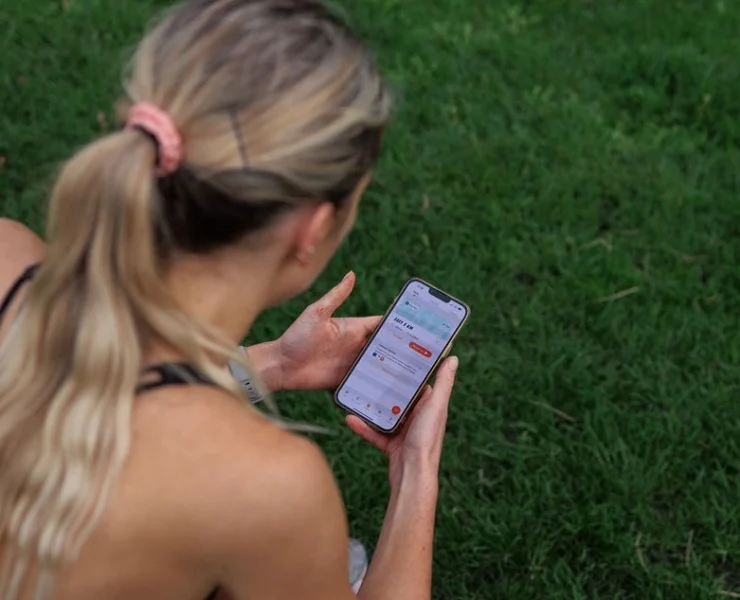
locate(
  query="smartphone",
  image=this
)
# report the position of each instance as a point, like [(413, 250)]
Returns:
[(390, 373)]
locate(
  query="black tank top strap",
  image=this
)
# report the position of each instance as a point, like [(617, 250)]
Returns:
[(172, 374), (26, 276)]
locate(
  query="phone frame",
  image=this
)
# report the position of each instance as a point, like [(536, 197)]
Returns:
[(404, 415)]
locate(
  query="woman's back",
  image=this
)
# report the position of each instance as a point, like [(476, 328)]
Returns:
[(198, 467), (198, 471)]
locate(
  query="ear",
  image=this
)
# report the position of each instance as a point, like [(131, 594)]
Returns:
[(317, 223)]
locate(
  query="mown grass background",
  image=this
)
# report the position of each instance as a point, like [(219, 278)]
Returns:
[(571, 169)]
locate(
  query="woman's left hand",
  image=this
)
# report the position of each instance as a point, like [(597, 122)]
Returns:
[(317, 350)]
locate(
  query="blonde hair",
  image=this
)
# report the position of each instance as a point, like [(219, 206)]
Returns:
[(278, 102)]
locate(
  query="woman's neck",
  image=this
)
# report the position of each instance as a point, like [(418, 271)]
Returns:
[(225, 292)]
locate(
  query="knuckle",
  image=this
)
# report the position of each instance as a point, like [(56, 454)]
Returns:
[(319, 307)]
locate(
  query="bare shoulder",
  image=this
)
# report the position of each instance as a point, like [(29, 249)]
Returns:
[(19, 248), (260, 502), (226, 459)]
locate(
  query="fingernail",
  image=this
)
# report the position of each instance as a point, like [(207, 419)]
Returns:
[(454, 363), (347, 276)]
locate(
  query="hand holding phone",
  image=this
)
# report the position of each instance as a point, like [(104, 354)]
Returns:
[(419, 445), (391, 373)]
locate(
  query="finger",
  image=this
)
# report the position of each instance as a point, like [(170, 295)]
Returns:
[(426, 395), (333, 299), (365, 432), (445, 379)]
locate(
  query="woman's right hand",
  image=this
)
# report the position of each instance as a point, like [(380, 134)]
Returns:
[(419, 443)]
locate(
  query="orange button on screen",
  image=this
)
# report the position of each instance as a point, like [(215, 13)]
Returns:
[(396, 409), (420, 349)]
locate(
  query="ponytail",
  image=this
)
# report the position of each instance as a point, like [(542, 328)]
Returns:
[(72, 359)]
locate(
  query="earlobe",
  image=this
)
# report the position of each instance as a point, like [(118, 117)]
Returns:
[(305, 255)]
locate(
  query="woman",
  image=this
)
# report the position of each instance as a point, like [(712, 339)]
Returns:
[(128, 467)]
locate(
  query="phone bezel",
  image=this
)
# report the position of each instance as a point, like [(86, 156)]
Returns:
[(431, 372)]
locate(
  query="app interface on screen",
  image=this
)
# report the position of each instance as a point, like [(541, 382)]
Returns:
[(401, 355)]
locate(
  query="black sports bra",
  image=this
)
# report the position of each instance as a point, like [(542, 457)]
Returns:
[(167, 373)]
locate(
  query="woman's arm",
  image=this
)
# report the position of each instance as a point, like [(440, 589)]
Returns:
[(406, 541), (401, 567)]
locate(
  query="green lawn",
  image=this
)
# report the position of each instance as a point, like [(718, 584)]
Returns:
[(570, 169)]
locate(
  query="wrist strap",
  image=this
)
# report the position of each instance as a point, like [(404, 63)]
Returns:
[(246, 382)]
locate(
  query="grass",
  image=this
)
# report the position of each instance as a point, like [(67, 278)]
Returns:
[(570, 169)]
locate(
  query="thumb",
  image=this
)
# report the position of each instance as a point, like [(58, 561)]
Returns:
[(335, 297)]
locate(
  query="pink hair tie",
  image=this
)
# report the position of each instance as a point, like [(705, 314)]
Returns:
[(159, 125)]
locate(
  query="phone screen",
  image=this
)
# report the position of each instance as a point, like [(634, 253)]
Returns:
[(404, 350)]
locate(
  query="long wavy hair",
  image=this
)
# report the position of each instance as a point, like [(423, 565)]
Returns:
[(278, 103)]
